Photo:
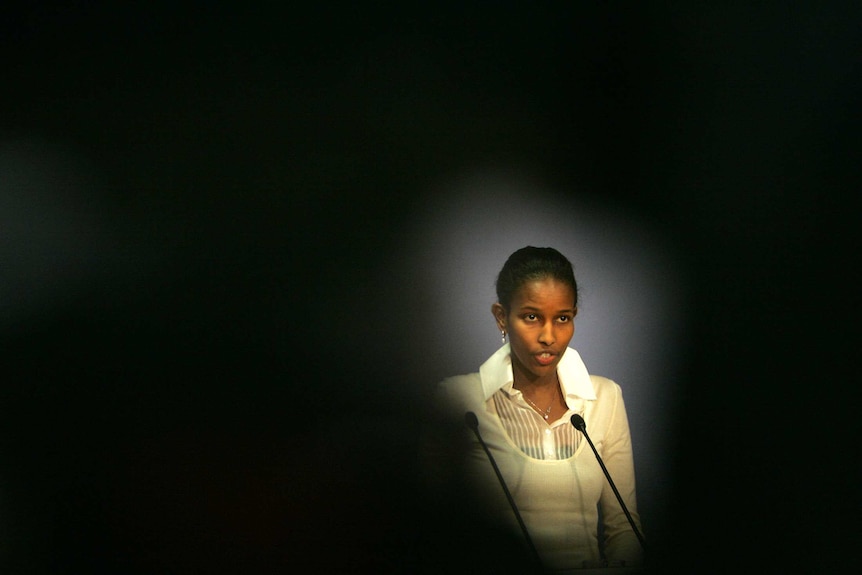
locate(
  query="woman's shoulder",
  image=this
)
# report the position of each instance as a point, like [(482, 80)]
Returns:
[(605, 386), (461, 385), (460, 389), (461, 380)]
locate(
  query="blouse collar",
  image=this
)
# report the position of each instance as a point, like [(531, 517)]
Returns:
[(496, 373)]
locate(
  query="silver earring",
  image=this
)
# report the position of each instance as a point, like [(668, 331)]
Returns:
[(503, 334)]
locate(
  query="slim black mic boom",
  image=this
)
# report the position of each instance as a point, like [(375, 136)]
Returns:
[(581, 425), (473, 423)]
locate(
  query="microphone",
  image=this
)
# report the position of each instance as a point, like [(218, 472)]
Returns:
[(581, 425), (473, 423)]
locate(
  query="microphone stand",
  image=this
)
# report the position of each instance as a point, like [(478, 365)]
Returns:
[(581, 425), (473, 423)]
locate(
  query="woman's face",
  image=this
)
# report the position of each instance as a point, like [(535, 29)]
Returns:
[(540, 323)]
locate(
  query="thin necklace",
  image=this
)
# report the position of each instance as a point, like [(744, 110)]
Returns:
[(546, 413)]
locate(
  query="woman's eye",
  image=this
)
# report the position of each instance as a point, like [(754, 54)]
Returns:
[(564, 318), (531, 316)]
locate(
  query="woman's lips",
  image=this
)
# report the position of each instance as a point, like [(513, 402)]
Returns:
[(545, 358)]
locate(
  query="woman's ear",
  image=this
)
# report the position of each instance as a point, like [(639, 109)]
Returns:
[(499, 313)]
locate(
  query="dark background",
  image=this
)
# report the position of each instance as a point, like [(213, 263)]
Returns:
[(190, 394)]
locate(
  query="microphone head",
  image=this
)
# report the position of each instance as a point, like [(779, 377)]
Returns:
[(472, 420), (579, 423)]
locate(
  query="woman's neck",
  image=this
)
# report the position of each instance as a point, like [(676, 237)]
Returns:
[(543, 394), (523, 381)]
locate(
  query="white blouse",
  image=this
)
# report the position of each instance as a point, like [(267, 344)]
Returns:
[(550, 470)]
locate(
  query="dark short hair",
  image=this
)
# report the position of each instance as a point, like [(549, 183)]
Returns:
[(530, 264)]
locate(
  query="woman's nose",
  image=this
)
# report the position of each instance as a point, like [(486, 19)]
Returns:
[(547, 334)]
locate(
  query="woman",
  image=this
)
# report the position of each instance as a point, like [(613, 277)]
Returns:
[(523, 397)]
